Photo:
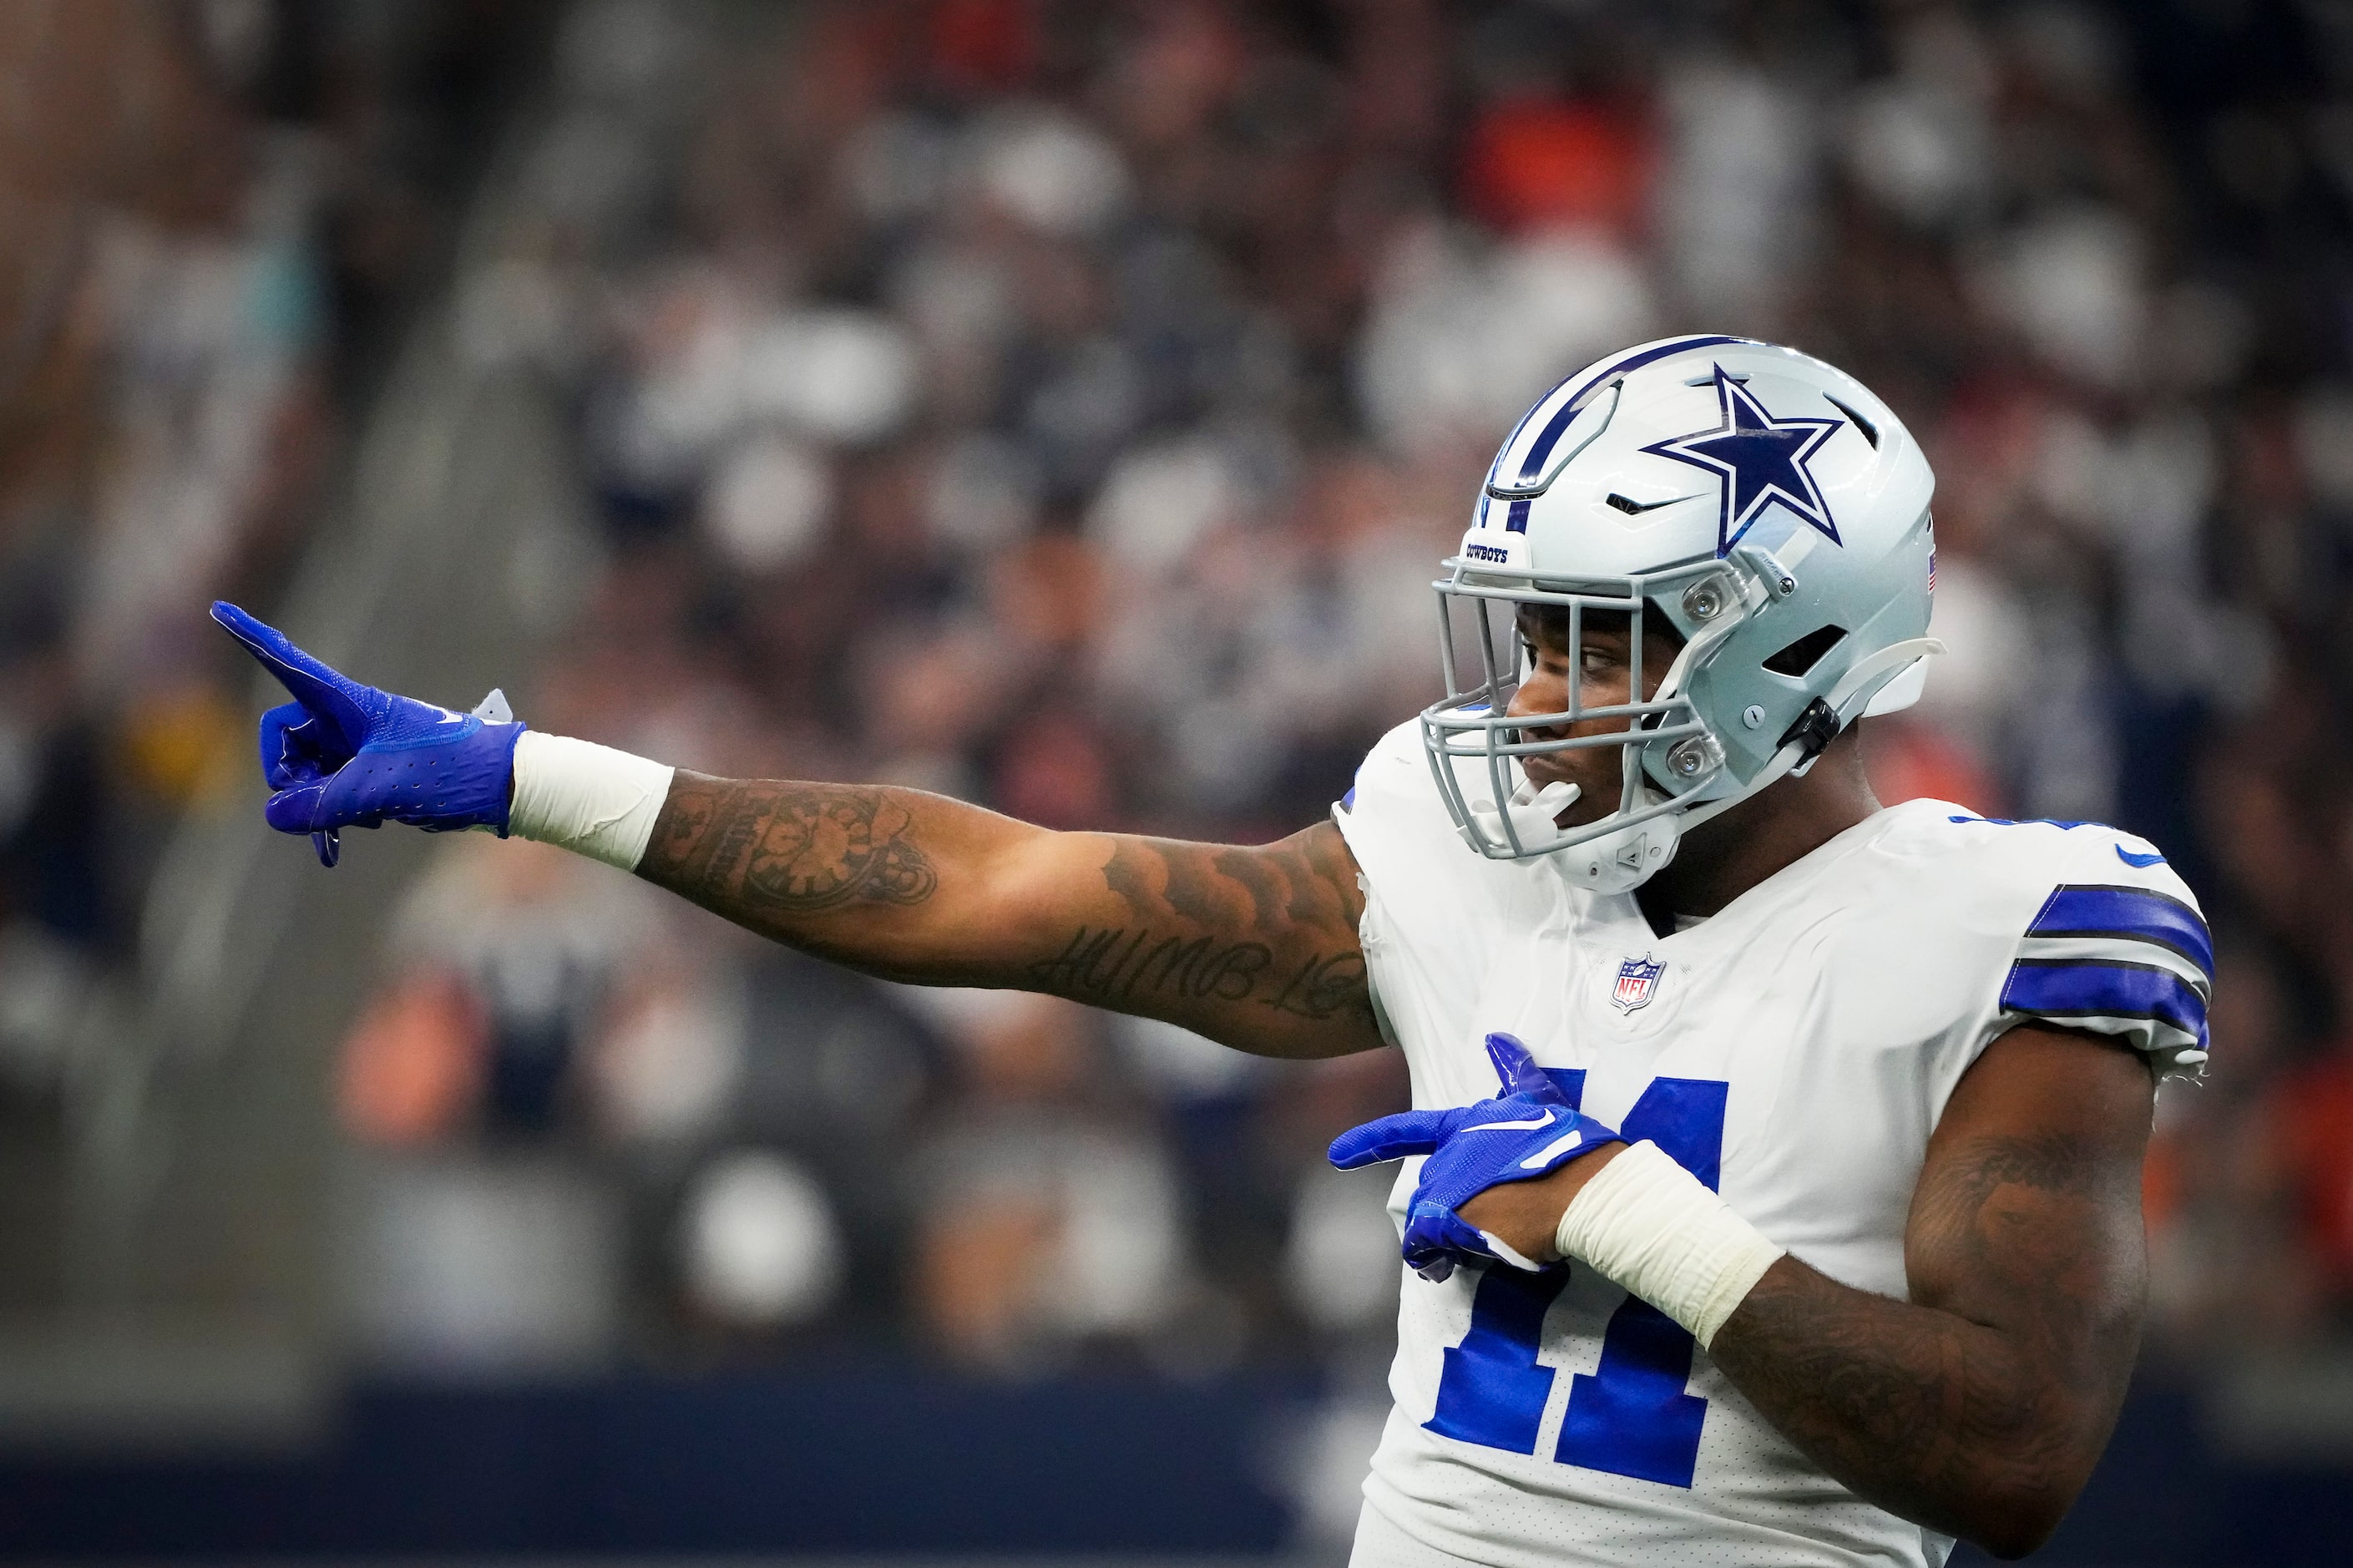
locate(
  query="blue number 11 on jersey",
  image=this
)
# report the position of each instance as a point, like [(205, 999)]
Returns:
[(1630, 1415)]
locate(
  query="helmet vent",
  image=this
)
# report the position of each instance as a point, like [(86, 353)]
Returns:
[(1805, 653), (1869, 431)]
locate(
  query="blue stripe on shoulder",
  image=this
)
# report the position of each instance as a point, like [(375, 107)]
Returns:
[(2065, 990), (2134, 912)]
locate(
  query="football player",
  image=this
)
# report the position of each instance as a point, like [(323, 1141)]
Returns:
[(1773, 1195)]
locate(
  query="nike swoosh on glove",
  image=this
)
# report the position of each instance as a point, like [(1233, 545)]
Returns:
[(1529, 1131), (346, 755)]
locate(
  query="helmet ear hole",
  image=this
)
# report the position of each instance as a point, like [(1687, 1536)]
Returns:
[(1801, 656)]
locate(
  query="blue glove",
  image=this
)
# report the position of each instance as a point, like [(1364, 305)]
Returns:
[(1530, 1130), (346, 755)]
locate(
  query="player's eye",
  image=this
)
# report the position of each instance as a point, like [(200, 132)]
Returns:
[(1598, 661)]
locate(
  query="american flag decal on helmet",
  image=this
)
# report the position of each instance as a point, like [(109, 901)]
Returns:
[(1638, 981)]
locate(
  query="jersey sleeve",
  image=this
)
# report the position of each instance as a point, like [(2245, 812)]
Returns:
[(2119, 947)]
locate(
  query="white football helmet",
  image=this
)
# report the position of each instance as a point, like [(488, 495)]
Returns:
[(1772, 508)]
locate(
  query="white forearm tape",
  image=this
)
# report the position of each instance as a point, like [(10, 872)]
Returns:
[(586, 797), (1648, 1224)]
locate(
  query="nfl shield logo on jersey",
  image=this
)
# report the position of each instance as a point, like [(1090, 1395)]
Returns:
[(1638, 981)]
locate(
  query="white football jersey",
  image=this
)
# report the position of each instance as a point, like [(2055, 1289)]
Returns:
[(1794, 1052)]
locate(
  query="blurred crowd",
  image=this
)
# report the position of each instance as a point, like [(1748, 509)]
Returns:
[(1063, 407), (212, 214)]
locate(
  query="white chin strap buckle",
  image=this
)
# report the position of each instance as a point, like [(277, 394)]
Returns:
[(1622, 860)]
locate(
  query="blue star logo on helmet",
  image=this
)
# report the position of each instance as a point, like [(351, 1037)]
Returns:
[(1761, 460)]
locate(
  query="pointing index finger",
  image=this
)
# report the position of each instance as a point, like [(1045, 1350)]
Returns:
[(316, 686)]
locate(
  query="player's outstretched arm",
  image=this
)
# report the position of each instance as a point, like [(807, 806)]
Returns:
[(1255, 948), (1979, 1406)]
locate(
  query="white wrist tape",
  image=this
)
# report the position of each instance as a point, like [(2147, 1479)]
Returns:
[(586, 797), (1648, 1224)]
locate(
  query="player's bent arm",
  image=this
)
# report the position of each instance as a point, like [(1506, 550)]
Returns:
[(1255, 948), (1979, 1406)]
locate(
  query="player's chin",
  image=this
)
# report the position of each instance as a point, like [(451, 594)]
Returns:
[(1597, 788)]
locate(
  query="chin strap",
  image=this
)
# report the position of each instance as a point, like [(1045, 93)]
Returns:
[(1820, 724), (1624, 858), (1869, 669)]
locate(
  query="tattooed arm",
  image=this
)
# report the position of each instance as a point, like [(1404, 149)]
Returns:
[(1255, 948), (1979, 1406)]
